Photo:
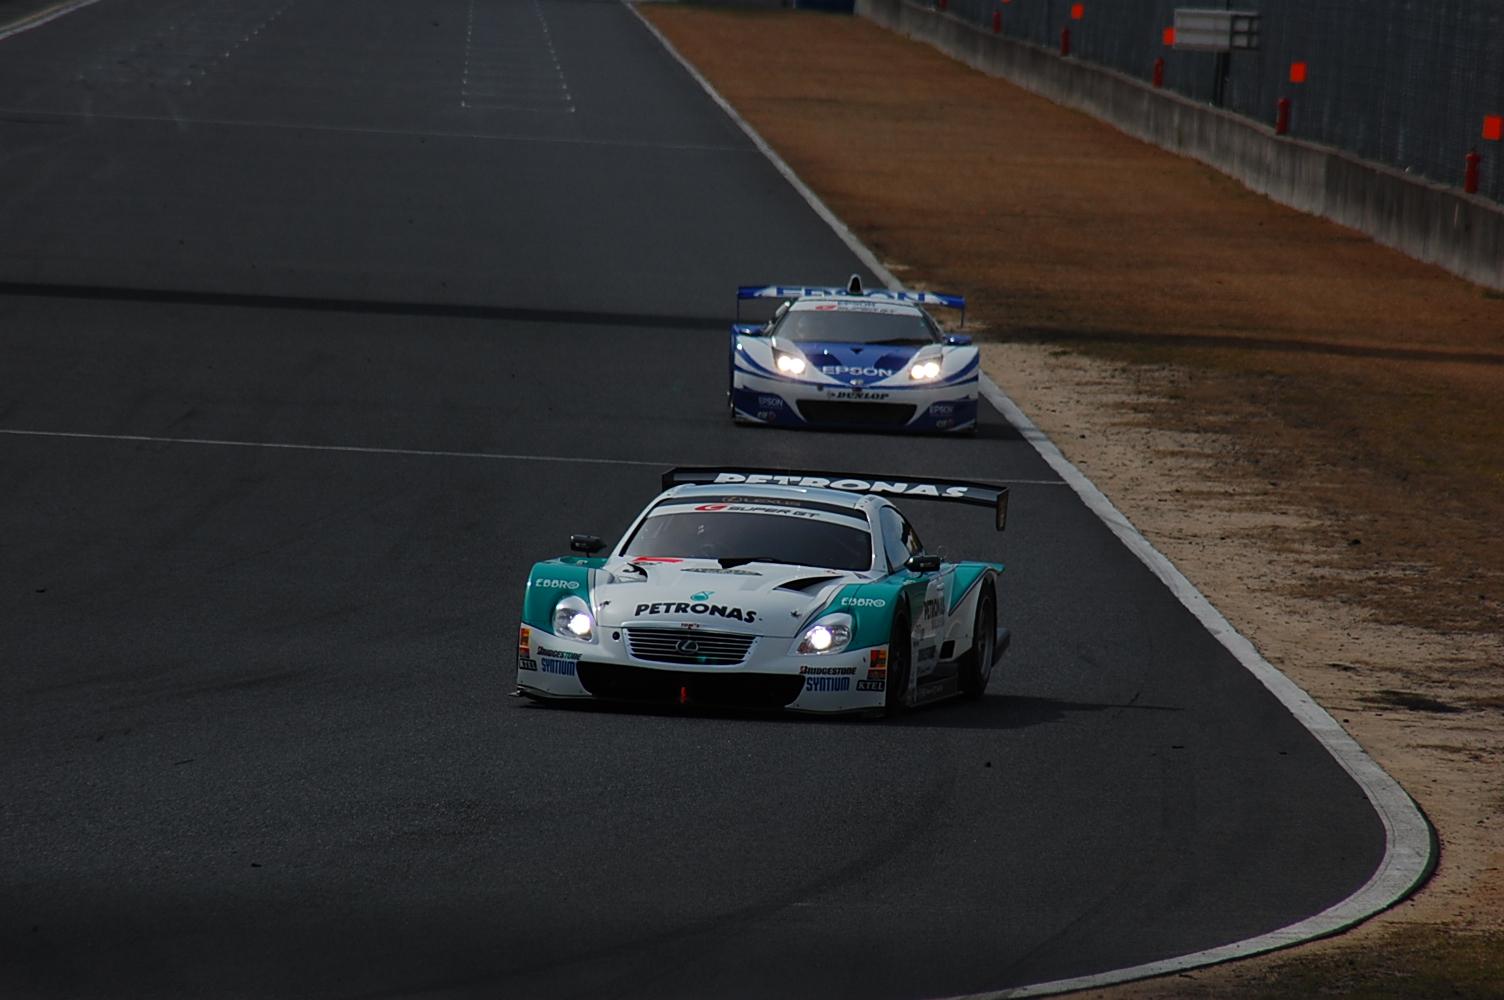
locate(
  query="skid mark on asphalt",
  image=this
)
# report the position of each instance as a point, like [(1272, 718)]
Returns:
[(402, 452), (511, 63)]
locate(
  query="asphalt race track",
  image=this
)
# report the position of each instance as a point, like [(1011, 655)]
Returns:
[(475, 260)]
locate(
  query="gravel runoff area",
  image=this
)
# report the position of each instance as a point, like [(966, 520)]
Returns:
[(1306, 423)]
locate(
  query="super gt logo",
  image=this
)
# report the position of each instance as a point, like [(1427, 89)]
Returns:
[(851, 485)]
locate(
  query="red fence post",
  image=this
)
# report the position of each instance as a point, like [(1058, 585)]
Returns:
[(1282, 116), (1159, 72), (1470, 173), (1065, 41)]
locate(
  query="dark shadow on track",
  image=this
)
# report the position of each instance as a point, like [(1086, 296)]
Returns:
[(313, 303), (992, 711)]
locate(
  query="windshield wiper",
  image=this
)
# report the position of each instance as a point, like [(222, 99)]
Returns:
[(729, 562)]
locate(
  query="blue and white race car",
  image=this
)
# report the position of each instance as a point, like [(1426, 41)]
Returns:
[(763, 589), (852, 358)]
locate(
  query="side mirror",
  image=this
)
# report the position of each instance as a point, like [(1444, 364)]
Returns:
[(588, 544), (958, 340), (923, 562), (749, 329)]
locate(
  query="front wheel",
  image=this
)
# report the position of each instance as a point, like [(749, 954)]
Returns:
[(900, 645), (976, 663)]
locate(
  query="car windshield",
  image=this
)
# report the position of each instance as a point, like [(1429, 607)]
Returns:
[(735, 538), (854, 326)]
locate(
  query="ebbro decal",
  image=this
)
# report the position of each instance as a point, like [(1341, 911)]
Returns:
[(863, 602), (872, 685), (557, 584), (697, 608), (827, 684), (828, 671), (854, 485)]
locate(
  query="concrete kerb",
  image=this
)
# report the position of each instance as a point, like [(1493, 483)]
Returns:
[(42, 13), (1462, 233), (1410, 842)]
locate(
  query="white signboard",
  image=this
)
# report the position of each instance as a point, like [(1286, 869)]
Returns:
[(1199, 30)]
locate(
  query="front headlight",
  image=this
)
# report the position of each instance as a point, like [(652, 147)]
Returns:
[(831, 634), (790, 364), (573, 620), (924, 371)]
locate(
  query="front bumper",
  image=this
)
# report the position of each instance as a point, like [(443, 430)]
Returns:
[(787, 403), (550, 666)]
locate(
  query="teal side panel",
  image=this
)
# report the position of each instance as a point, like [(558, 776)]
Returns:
[(967, 575), (549, 581), (873, 606)]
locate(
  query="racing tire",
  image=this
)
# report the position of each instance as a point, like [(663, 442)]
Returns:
[(974, 668), (900, 648)]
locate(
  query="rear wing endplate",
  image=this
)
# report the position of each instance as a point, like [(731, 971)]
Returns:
[(853, 287), (990, 495)]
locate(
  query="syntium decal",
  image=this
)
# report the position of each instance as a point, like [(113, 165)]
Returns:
[(826, 684)]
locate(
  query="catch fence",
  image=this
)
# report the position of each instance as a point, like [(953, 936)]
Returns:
[(1413, 84)]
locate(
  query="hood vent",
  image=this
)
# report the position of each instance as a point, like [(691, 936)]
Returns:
[(805, 584)]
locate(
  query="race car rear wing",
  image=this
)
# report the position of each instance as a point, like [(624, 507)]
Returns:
[(952, 490), (853, 287)]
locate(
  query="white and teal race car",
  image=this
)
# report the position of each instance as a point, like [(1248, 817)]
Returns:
[(767, 589)]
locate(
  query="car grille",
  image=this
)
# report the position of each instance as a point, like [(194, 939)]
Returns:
[(615, 682), (829, 411), (688, 646)]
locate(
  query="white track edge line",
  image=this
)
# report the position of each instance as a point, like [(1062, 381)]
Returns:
[(1408, 840), (34, 21), (345, 448)]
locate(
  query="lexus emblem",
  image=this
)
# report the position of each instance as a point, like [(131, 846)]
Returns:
[(688, 646)]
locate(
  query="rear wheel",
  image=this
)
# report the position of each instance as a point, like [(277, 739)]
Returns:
[(899, 648), (975, 665)]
